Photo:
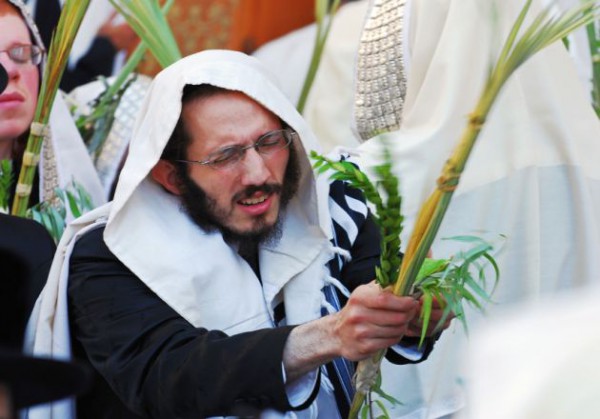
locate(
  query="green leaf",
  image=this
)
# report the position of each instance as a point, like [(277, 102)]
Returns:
[(385, 414), (425, 314), (364, 412), (431, 266)]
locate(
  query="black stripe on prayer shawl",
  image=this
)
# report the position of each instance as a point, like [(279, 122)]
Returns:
[(348, 212)]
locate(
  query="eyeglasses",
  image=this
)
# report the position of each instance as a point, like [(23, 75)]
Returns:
[(25, 54), (267, 144)]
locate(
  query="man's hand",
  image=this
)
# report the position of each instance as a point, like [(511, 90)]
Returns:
[(373, 319), (437, 311)]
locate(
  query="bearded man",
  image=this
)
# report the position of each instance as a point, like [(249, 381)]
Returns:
[(209, 286)]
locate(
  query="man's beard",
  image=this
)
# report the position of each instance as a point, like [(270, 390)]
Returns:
[(203, 210)]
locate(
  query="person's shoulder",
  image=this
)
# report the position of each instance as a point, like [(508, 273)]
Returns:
[(18, 231), (91, 244)]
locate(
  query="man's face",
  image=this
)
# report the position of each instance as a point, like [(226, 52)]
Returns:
[(244, 200), (18, 101)]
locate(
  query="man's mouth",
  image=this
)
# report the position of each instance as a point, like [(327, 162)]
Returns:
[(254, 201), (256, 195)]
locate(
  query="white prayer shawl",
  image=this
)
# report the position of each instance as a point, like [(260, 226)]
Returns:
[(195, 272), (533, 174), (71, 159)]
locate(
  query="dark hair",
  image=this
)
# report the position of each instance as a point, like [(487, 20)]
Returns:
[(180, 138)]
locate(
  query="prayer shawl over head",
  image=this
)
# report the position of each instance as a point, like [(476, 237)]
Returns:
[(533, 175), (64, 157), (194, 271)]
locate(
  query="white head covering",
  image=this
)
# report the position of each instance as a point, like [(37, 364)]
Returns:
[(533, 174), (145, 221), (64, 157)]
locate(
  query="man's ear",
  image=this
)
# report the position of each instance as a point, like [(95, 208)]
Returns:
[(165, 174)]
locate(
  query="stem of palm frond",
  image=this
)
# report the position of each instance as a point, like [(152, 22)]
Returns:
[(322, 12), (62, 40), (149, 22)]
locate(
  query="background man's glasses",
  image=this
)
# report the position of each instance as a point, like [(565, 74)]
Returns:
[(226, 158), (25, 54)]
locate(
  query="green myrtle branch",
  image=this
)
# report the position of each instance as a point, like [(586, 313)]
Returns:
[(387, 214)]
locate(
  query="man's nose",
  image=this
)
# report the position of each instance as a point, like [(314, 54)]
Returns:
[(255, 169)]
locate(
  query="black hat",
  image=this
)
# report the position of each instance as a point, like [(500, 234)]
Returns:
[(30, 380), (3, 78), (33, 381)]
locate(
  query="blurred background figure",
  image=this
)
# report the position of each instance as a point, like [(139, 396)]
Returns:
[(101, 43)]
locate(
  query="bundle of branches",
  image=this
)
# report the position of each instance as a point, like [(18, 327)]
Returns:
[(62, 40), (324, 13), (520, 45), (156, 35), (451, 281)]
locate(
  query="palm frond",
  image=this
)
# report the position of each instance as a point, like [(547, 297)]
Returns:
[(324, 13), (149, 22)]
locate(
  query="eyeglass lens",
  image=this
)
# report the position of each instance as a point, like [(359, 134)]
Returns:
[(265, 145), (24, 54)]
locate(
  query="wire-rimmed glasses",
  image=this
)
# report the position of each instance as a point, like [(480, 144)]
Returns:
[(267, 144), (25, 54)]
